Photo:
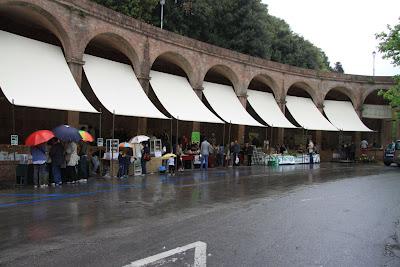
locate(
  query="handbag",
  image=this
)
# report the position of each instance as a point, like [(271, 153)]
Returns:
[(146, 157)]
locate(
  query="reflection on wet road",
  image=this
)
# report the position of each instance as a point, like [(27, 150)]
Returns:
[(248, 216)]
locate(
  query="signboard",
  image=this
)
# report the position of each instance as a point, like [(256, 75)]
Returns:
[(195, 137), (377, 111), (14, 140), (112, 145), (100, 142)]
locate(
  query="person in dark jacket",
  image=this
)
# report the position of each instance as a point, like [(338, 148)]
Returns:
[(145, 157), (248, 149), (39, 159), (57, 160), (83, 160), (236, 152)]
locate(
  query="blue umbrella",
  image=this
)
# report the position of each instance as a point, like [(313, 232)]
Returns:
[(67, 133)]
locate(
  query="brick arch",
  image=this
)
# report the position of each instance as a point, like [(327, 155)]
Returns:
[(344, 90), (228, 73), (46, 19), (267, 80), (306, 87), (116, 41), (368, 92), (178, 59)]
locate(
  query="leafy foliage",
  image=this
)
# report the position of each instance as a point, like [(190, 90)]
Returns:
[(390, 47), (241, 25)]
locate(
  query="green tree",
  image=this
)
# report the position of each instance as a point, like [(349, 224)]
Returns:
[(338, 67), (140, 9), (241, 25), (389, 46)]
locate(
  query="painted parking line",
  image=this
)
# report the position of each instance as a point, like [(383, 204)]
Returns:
[(200, 255), (66, 196), (112, 187)]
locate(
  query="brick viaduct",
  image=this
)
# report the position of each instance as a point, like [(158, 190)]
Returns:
[(76, 22)]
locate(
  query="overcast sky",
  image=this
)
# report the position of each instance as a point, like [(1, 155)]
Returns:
[(344, 29)]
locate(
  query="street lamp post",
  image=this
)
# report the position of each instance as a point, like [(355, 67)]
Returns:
[(162, 3), (373, 63)]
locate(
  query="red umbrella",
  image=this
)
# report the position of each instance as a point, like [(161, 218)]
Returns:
[(39, 137)]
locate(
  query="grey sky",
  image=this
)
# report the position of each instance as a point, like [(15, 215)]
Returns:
[(344, 29)]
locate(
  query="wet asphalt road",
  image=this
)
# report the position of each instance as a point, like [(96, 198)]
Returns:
[(331, 215)]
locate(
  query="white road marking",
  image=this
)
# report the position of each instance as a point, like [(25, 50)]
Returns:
[(200, 255), (311, 199)]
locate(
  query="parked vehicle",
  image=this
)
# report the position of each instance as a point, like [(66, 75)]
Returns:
[(392, 153)]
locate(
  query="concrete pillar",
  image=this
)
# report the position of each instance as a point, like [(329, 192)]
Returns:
[(357, 137), (76, 67), (199, 92), (142, 122), (144, 80), (281, 131), (241, 128), (318, 134)]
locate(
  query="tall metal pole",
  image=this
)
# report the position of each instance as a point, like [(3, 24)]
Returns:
[(13, 121), (171, 136), (229, 144), (230, 126), (176, 142), (223, 136), (112, 145), (272, 138), (13, 116), (100, 123), (373, 63), (113, 124), (162, 2)]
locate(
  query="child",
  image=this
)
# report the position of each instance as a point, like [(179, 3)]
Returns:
[(122, 164), (171, 165)]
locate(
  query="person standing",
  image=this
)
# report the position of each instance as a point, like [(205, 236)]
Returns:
[(220, 155), (171, 165), (39, 164), (145, 157), (249, 152), (83, 161), (57, 160), (179, 153), (205, 152), (121, 164), (213, 140), (311, 151), (236, 152), (72, 159)]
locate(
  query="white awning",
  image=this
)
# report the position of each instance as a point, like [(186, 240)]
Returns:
[(266, 107), (307, 114), (35, 74), (343, 116), (226, 104), (179, 99), (116, 86)]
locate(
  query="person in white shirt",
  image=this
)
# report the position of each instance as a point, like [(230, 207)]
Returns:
[(171, 165), (311, 151)]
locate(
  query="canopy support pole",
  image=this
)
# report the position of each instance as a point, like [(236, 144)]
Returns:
[(100, 115), (13, 116), (171, 136), (272, 137), (176, 143), (223, 136), (229, 143), (112, 143)]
